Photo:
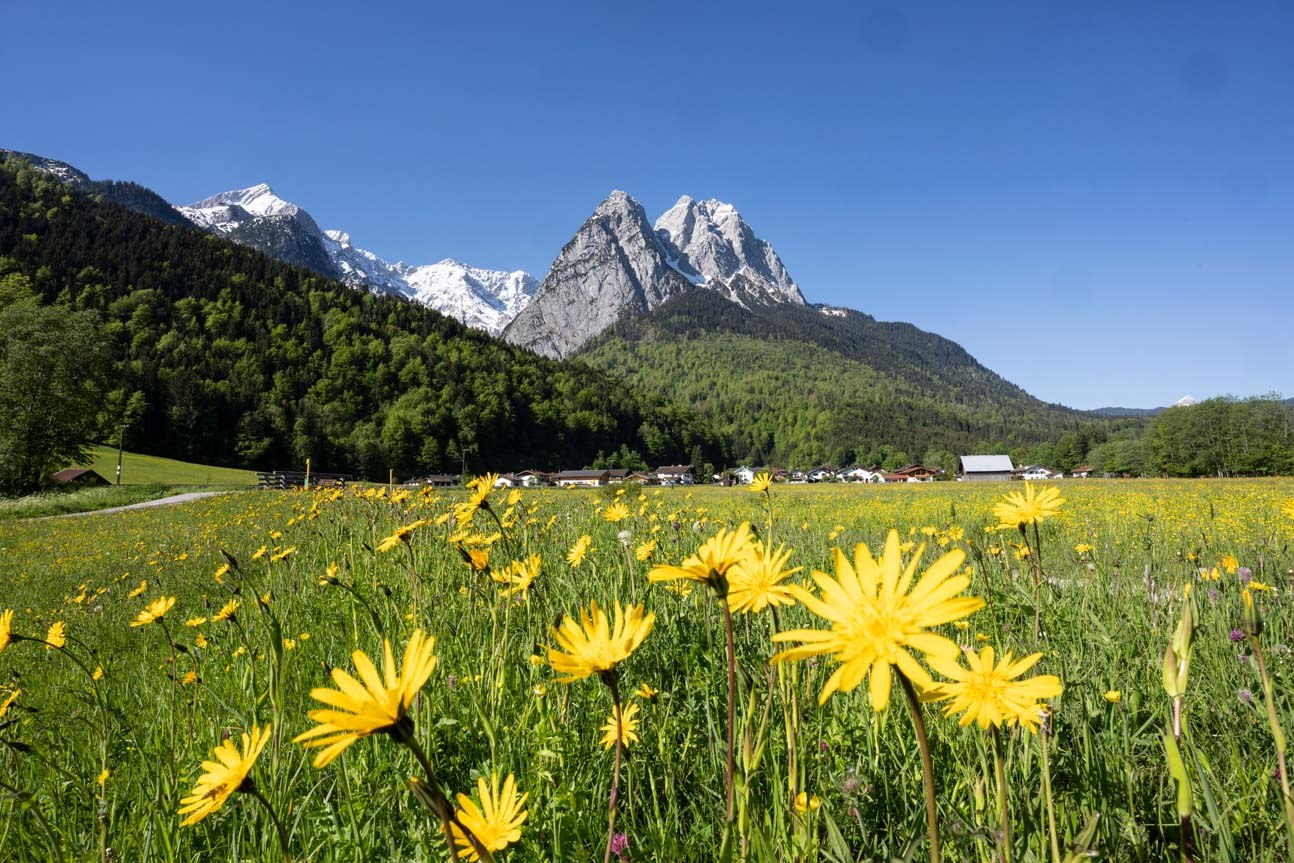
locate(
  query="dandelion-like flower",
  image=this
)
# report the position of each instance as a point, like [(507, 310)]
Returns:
[(988, 692), (225, 775), (56, 637), (596, 645), (519, 576), (6, 628), (374, 703), (4, 705), (496, 823), (154, 611), (712, 561), (226, 612), (761, 482), (622, 726), (876, 621), (1018, 509), (756, 582), (579, 551), (617, 512)]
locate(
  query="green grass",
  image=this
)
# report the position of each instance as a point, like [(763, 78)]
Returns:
[(63, 501), (138, 469), (1106, 616)]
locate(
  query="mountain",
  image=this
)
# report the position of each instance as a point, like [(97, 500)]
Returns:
[(1184, 401), (711, 238), (797, 385), (258, 218), (224, 355), (618, 264), (132, 196)]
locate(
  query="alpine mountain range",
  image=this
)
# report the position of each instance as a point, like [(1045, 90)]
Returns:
[(617, 262)]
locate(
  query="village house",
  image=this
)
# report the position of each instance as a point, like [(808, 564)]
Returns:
[(1036, 473), (860, 474), (823, 473), (507, 480), (744, 475), (1083, 471), (581, 478), (78, 476), (676, 474), (917, 473), (531, 478), (986, 467), (435, 480)]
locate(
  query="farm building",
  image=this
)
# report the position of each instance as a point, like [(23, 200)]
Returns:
[(987, 467), (861, 474), (1037, 472), (78, 476), (1081, 472), (581, 478), (676, 474)]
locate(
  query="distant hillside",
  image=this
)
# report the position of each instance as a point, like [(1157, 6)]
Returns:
[(227, 357), (798, 384), (1150, 412)]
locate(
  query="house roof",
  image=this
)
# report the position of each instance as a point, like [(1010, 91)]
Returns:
[(1083, 468), (674, 468), (987, 464), (72, 474), (581, 474)]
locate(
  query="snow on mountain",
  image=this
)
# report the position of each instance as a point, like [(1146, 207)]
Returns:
[(711, 238), (1184, 401), (256, 217)]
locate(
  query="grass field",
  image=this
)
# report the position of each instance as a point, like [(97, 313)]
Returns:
[(88, 499), (137, 469), (90, 760)]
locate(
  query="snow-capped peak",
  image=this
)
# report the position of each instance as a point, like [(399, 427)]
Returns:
[(1184, 402), (259, 200), (710, 237)]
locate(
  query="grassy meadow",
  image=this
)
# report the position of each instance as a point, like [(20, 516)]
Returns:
[(140, 469), (108, 731)]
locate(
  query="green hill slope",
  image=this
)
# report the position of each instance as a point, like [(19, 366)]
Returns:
[(139, 469), (224, 356), (795, 386)]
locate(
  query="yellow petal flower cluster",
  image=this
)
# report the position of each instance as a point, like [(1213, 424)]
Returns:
[(154, 611), (374, 703), (988, 692), (626, 730), (712, 561), (878, 616), (757, 581), (223, 776), (1018, 509), (594, 644), (496, 823)]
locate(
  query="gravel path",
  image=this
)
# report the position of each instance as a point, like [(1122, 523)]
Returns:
[(161, 501)]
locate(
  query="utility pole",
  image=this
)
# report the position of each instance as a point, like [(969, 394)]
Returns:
[(121, 431)]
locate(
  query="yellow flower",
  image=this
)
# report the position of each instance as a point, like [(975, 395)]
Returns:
[(226, 612), (223, 776), (804, 802), (1229, 563), (1288, 508), (1082, 548), (1255, 584), (189, 677), (6, 628), (389, 543), (645, 692), (712, 560), (579, 551), (618, 511), (875, 620), (102, 778), (496, 823), (1113, 696), (761, 482), (520, 575), (376, 704), (143, 586), (57, 635), (4, 706), (477, 558), (1018, 509), (989, 693), (98, 673), (195, 621), (200, 641), (626, 730), (594, 645), (259, 553), (756, 581), (155, 611), (279, 555), (221, 572), (644, 552)]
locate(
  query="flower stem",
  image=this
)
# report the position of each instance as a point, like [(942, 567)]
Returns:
[(1044, 731), (443, 810), (1278, 737), (927, 765), (999, 775), (614, 797), (732, 703), (278, 825)]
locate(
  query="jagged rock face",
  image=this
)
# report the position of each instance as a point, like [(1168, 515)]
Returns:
[(614, 264), (711, 238), (258, 218)]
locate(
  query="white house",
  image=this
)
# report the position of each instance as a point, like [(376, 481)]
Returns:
[(744, 475), (986, 467), (676, 474), (822, 474), (507, 480), (860, 474), (1037, 472)]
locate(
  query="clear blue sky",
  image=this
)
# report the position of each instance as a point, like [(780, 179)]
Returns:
[(1097, 201)]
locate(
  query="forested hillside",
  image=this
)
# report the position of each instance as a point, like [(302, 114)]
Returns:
[(224, 356), (795, 386)]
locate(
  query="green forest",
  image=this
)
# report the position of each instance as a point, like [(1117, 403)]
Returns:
[(793, 386), (219, 354)]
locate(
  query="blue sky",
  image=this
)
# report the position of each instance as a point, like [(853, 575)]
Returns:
[(1096, 200)]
